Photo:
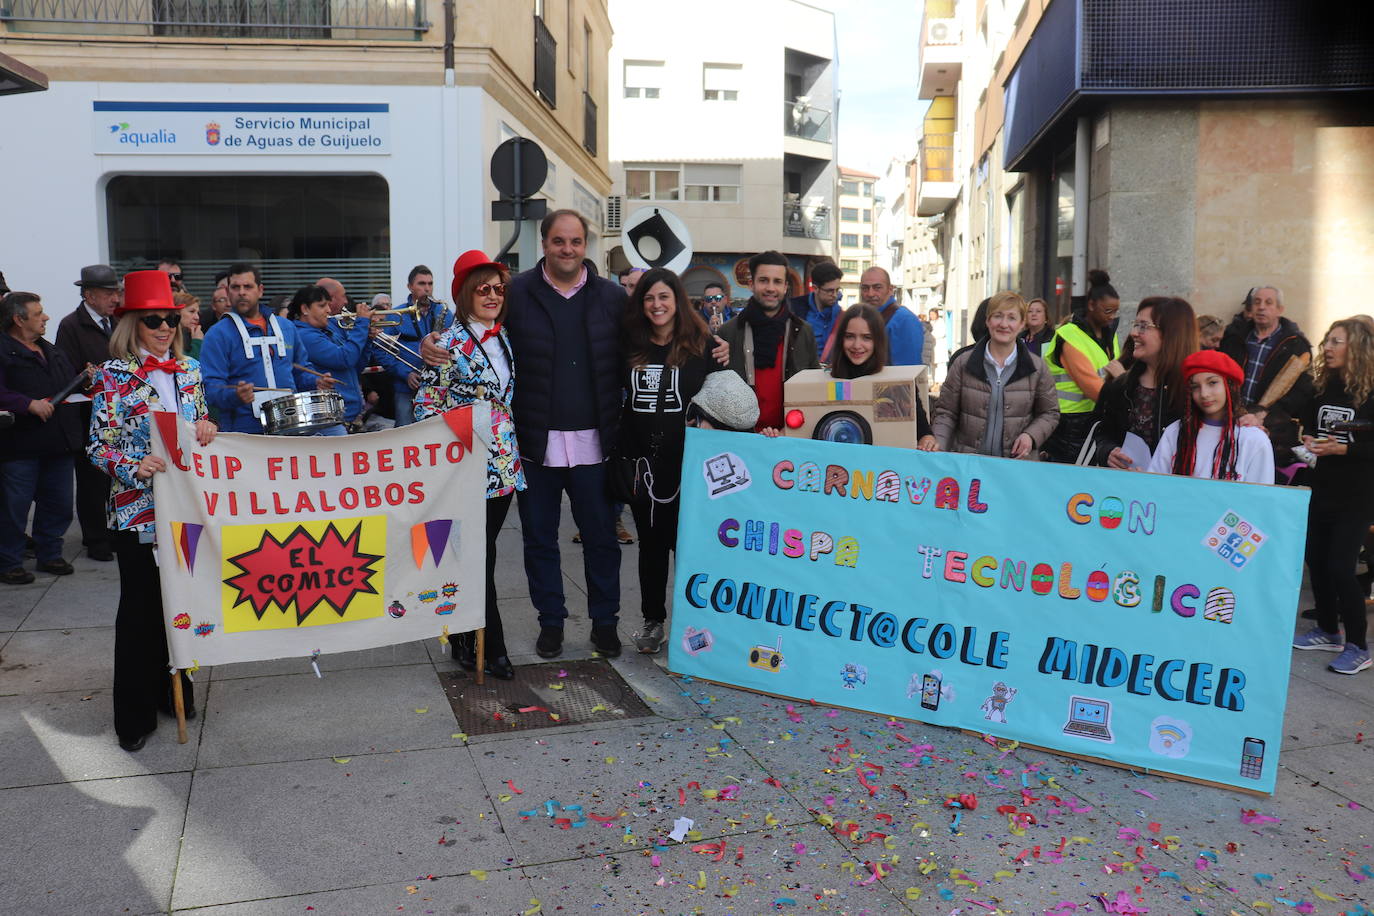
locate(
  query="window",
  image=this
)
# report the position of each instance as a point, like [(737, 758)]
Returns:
[(643, 79), (868, 189), (868, 241), (711, 181), (720, 82), (868, 215), (849, 214), (849, 266), (586, 56), (652, 182), (849, 240), (849, 187), (569, 20)]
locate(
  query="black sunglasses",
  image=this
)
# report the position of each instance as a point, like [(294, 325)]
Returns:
[(176, 277), (153, 322), (712, 298)]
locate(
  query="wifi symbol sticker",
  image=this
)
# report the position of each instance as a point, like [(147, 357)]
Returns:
[(1170, 737)]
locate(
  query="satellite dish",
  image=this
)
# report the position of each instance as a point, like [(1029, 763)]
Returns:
[(657, 238)]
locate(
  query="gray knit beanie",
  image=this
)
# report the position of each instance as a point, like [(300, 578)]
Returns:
[(728, 402)]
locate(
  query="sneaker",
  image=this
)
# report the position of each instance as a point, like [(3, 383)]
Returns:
[(549, 644), (621, 534), (650, 637), (606, 640), (1319, 639), (58, 567), (1352, 660), (16, 576)]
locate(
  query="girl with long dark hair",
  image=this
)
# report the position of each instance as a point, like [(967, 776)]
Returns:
[(1152, 394), (1338, 427), (668, 357), (1208, 441)]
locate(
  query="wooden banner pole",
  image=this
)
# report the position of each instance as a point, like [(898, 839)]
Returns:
[(481, 655), (179, 705)]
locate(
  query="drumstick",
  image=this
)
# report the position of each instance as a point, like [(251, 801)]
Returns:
[(311, 371), (257, 388)]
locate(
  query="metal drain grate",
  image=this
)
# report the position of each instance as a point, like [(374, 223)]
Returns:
[(591, 691)]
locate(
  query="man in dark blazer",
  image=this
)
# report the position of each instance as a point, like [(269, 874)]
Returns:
[(84, 338)]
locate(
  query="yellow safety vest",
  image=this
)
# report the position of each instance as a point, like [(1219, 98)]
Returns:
[(1071, 397)]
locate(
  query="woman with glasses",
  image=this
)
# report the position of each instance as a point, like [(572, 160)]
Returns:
[(668, 359), (1153, 393), (1338, 428), (147, 374), (481, 370)]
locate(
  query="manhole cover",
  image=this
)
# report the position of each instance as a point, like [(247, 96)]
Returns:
[(542, 696)]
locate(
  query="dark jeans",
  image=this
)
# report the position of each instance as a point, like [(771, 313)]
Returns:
[(141, 682), (1334, 539), (24, 482), (497, 507), (541, 508), (1068, 437), (656, 539), (92, 493)]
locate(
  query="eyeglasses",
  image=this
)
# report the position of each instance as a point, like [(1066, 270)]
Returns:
[(153, 322), (175, 277), (486, 289), (716, 298), (1143, 326)]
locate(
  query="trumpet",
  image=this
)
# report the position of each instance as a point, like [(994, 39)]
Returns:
[(381, 318)]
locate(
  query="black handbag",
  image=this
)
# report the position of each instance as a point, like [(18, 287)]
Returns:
[(625, 474)]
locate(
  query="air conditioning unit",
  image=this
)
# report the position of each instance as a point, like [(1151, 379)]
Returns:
[(942, 32), (613, 213)]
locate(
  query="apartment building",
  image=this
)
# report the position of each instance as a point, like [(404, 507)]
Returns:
[(726, 117), (858, 228), (320, 138), (1193, 150)]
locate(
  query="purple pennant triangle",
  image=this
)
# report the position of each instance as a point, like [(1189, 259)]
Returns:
[(437, 532), (190, 540)]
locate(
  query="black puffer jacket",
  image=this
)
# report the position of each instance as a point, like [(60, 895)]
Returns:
[(531, 328)]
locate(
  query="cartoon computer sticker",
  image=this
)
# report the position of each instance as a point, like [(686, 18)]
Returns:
[(766, 657), (725, 473), (853, 675), (995, 707), (1090, 718), (695, 641)]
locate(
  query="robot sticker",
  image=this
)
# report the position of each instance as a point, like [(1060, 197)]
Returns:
[(1234, 539), (853, 675), (995, 707), (725, 473)]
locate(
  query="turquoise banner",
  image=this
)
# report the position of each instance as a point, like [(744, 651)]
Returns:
[(1138, 618)]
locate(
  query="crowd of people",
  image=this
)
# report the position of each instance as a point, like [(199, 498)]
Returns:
[(592, 383)]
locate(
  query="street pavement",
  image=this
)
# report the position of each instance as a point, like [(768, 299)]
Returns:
[(357, 793)]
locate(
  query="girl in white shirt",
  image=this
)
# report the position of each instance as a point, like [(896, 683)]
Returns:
[(1207, 442)]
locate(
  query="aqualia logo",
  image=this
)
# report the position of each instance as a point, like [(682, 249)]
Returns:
[(128, 135)]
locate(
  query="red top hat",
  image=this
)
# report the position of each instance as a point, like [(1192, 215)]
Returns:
[(467, 262), (1213, 361), (146, 290)]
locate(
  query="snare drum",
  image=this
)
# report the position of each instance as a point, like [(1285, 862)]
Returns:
[(303, 413)]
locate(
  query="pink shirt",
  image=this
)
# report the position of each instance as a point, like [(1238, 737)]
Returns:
[(569, 448)]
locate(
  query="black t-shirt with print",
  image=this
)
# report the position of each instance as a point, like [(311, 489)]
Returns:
[(655, 431)]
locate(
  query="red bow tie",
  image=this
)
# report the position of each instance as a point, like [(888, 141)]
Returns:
[(495, 330), (166, 365)]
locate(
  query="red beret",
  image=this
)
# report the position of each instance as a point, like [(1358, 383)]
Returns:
[(1213, 361)]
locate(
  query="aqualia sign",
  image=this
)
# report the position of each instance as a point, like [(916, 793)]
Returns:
[(248, 128)]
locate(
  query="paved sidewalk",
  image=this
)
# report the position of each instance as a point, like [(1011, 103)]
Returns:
[(355, 794)]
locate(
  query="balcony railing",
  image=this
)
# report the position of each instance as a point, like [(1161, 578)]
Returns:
[(802, 119), (805, 222), (588, 123), (326, 19), (936, 153), (545, 63)]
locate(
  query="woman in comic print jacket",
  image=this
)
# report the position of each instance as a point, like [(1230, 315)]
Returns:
[(148, 373), (482, 370)]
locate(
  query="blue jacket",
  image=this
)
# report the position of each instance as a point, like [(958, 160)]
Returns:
[(530, 301), (223, 365), (338, 352), (410, 332), (906, 336), (821, 322)]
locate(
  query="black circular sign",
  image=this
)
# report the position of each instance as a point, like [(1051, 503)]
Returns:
[(534, 168)]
